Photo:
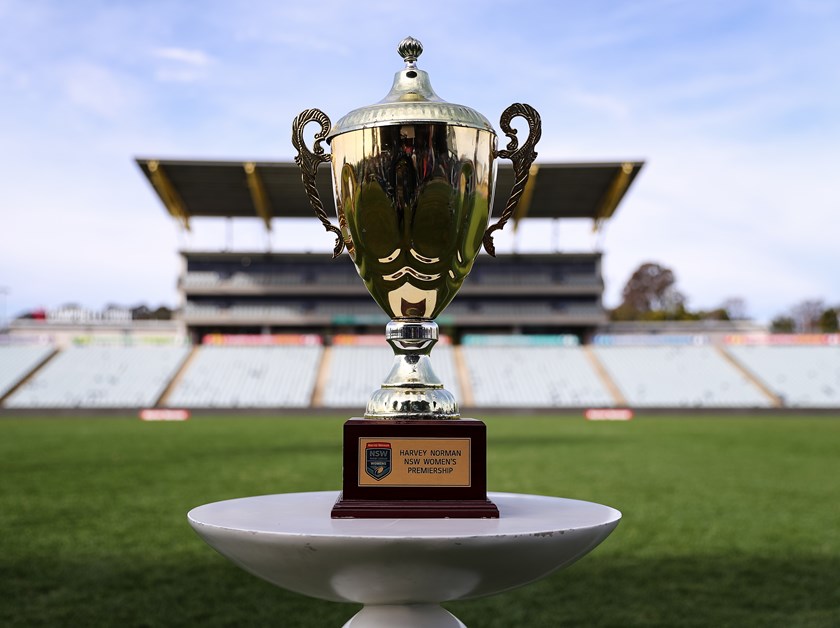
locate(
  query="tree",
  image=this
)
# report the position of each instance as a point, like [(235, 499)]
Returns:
[(783, 325), (807, 315), (145, 313), (810, 316), (141, 312), (735, 308), (162, 313), (651, 289), (829, 323)]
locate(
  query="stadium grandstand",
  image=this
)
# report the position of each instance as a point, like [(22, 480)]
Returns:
[(269, 374), (101, 377), (267, 292), (485, 372), (264, 330)]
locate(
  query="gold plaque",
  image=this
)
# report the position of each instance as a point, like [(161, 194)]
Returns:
[(431, 462)]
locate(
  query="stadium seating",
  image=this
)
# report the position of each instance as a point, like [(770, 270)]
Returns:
[(356, 371), (17, 361), (194, 310), (499, 277), (201, 279), (337, 277), (526, 308), (101, 377), (678, 376), (248, 377), (265, 279), (802, 376), (503, 372), (211, 279), (366, 306), (259, 312), (243, 312), (533, 377)]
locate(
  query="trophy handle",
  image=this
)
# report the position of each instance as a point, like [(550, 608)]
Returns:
[(309, 162), (522, 158)]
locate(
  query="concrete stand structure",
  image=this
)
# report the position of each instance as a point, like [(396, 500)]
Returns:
[(401, 569)]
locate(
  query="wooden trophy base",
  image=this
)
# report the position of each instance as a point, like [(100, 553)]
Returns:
[(415, 469)]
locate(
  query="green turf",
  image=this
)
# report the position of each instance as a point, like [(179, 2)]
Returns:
[(727, 521)]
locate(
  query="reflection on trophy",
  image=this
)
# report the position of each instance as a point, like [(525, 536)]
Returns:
[(414, 178)]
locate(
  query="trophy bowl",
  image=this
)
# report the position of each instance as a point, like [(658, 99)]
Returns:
[(413, 179)]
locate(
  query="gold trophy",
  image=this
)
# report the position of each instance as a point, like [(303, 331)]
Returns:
[(414, 178)]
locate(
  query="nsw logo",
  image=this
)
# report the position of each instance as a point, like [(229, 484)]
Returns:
[(377, 459)]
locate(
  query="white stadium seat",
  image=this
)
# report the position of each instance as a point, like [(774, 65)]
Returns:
[(499, 376), (679, 376), (533, 377), (101, 377), (356, 371), (802, 376), (248, 377), (17, 361)]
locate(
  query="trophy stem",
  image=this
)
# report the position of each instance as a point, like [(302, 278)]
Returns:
[(412, 390)]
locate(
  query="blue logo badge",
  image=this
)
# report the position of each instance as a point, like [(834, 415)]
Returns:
[(377, 460)]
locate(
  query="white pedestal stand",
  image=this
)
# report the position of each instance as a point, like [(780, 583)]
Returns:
[(401, 569)]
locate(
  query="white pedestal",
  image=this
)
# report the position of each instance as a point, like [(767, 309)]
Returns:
[(401, 569)]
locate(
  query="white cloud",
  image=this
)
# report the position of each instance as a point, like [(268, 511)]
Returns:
[(98, 89), (181, 65), (598, 102), (183, 55)]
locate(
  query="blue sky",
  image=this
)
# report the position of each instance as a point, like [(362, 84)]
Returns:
[(735, 106)]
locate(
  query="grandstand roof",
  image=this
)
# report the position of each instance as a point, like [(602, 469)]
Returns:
[(274, 190)]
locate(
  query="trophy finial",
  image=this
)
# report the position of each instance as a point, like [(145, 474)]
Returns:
[(409, 50)]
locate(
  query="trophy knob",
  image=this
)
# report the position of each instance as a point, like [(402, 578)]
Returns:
[(409, 50)]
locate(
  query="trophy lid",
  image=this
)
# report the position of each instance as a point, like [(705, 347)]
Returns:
[(410, 101)]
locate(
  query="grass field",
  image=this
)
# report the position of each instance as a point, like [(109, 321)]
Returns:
[(727, 521)]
